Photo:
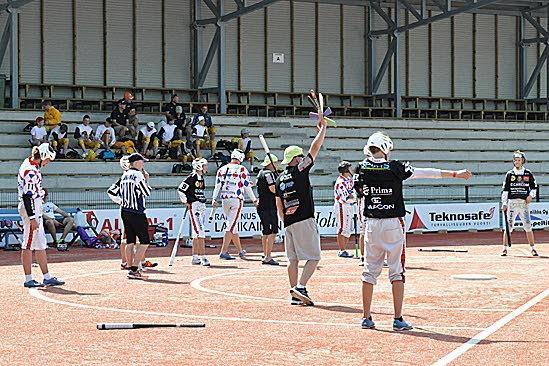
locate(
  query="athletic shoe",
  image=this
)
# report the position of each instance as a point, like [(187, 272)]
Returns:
[(53, 282), (62, 247), (270, 262), (399, 325), (226, 256), (361, 262), (137, 275), (124, 266), (33, 283), (296, 301), (504, 253), (205, 262), (195, 260), (242, 253), (368, 323), (344, 254), (385, 264), (302, 294), (534, 253), (149, 264)]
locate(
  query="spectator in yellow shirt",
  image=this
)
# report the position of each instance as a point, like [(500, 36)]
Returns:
[(51, 115)]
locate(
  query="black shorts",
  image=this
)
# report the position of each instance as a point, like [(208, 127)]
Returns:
[(269, 221), (136, 225)]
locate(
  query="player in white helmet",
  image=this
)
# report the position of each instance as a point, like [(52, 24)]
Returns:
[(114, 195), (191, 193), (518, 191), (345, 198), (31, 194), (231, 183), (381, 180)]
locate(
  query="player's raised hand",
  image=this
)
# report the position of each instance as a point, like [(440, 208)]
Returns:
[(464, 174)]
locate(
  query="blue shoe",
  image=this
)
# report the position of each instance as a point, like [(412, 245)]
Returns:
[(368, 323), (33, 283), (399, 325), (242, 254), (53, 282), (226, 256), (344, 254)]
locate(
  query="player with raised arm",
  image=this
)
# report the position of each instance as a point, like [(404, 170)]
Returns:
[(231, 183), (31, 195), (191, 193), (385, 234), (518, 191)]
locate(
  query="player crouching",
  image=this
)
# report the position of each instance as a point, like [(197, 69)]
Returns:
[(519, 189), (191, 193), (381, 180)]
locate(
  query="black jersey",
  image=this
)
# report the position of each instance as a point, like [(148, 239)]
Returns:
[(266, 179), (519, 184), (381, 186), (193, 188)]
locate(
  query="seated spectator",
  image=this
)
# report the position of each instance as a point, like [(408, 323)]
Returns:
[(133, 124), (107, 139), (169, 140), (51, 224), (85, 137), (119, 119), (200, 136), (211, 129), (245, 144), (39, 135), (170, 108), (51, 115), (128, 100), (144, 138), (59, 140)]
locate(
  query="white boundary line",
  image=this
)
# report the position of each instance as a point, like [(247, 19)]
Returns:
[(490, 330)]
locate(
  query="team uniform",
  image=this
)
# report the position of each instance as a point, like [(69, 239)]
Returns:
[(517, 186), (57, 138), (31, 195), (293, 186), (191, 191), (345, 199), (145, 136), (232, 181), (133, 189), (266, 208)]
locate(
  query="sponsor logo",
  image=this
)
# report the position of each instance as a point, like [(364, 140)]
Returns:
[(462, 216), (381, 207), (377, 191), (416, 222), (513, 178)]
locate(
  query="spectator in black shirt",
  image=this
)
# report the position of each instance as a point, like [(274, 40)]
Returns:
[(119, 119), (266, 209), (128, 100), (169, 109)]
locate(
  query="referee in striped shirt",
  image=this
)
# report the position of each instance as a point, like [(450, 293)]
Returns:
[(134, 187)]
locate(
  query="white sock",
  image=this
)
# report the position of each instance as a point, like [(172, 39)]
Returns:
[(204, 257), (47, 276), (299, 285), (195, 256), (28, 278)]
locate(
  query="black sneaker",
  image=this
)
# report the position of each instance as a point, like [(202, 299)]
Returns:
[(302, 294), (296, 301)]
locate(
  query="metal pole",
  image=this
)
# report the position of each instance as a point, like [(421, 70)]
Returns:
[(466, 194), (371, 52), (221, 69), (397, 68), (197, 49), (522, 59), (14, 57)]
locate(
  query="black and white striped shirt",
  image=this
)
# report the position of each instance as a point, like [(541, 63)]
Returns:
[(131, 189)]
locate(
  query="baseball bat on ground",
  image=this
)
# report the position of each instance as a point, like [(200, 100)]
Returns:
[(111, 326), (444, 250)]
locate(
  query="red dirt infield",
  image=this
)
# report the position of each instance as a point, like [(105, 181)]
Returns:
[(249, 321)]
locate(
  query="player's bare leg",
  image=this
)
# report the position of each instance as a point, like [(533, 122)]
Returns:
[(367, 294), (293, 268), (42, 260), (130, 255), (268, 246), (308, 269), (398, 297), (531, 241), (26, 261)]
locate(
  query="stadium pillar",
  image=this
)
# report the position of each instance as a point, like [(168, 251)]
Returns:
[(221, 67), (14, 58), (397, 92)]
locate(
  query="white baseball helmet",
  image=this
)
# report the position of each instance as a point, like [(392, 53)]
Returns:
[(198, 163), (238, 155), (45, 151), (379, 140), (125, 162)]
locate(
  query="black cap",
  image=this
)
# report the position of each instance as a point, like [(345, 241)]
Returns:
[(136, 157)]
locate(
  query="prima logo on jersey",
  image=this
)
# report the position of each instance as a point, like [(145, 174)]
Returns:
[(466, 216), (377, 191)]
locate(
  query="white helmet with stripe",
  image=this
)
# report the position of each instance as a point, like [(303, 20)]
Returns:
[(45, 151), (379, 140), (125, 162), (238, 155), (199, 163)]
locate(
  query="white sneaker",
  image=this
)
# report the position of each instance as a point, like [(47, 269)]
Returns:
[(205, 262), (195, 260)]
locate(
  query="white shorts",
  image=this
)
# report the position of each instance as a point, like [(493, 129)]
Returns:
[(519, 208), (344, 218), (384, 237), (35, 240), (232, 208), (197, 213)]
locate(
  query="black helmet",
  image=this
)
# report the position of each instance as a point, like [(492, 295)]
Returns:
[(344, 167)]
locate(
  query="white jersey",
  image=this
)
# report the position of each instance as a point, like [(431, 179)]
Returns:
[(169, 132), (83, 131), (38, 132), (29, 183), (146, 132), (102, 129), (344, 191), (57, 134), (48, 210), (232, 180)]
